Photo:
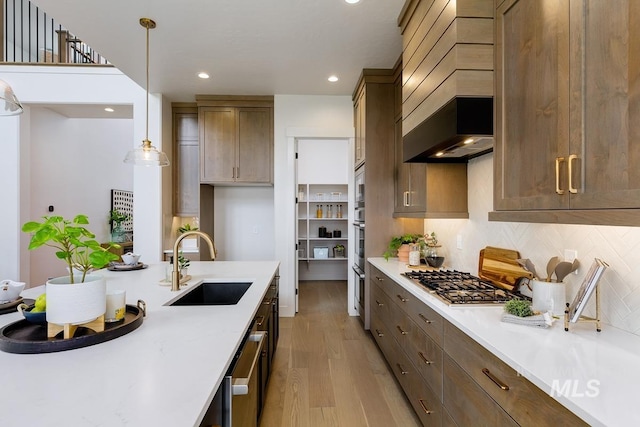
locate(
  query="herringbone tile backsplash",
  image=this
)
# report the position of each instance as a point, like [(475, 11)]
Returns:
[(618, 246)]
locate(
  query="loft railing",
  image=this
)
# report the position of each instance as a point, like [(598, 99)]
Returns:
[(30, 35)]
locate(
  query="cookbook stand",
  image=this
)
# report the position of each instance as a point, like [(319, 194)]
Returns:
[(582, 318)]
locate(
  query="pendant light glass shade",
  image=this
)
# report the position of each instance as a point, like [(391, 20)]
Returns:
[(9, 104), (147, 154)]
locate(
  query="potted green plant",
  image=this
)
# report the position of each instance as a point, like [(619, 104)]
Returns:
[(396, 246), (116, 218), (338, 251), (183, 264), (79, 297)]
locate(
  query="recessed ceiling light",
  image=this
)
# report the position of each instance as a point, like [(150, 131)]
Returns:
[(333, 79), (352, 1), (203, 75), (440, 154), (468, 141), (109, 110)]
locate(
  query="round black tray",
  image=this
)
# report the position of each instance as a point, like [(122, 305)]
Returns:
[(11, 307), (24, 337)]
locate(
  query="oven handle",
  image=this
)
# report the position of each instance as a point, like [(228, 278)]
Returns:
[(240, 386), (359, 272), (359, 224)]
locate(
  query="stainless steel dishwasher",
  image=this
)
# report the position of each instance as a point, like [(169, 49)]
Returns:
[(237, 404)]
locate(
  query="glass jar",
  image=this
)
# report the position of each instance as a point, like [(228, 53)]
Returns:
[(414, 254)]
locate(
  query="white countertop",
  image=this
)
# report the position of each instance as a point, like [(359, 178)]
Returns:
[(165, 373), (601, 368)]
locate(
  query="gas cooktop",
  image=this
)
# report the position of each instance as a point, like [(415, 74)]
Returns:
[(455, 288)]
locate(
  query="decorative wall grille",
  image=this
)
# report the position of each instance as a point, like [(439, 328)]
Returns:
[(123, 202)]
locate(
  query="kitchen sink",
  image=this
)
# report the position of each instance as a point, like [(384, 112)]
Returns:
[(214, 293)]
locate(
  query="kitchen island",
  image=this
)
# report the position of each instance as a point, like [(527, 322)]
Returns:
[(593, 374), (165, 373)]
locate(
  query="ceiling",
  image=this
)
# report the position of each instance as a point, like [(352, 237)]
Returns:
[(248, 47)]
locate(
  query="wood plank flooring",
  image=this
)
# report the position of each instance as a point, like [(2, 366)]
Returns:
[(328, 370)]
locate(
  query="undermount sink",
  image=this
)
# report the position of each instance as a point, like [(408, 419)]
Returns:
[(214, 293)]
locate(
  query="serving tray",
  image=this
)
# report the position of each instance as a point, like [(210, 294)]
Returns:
[(126, 267), (24, 337)]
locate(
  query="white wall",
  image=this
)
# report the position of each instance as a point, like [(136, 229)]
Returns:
[(35, 85), (618, 246), (243, 224), (74, 165), (328, 116)]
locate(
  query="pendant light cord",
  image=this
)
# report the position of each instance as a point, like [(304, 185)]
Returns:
[(147, 116)]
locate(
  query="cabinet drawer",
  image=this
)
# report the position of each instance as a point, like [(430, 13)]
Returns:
[(380, 303), (467, 403), (425, 317), (424, 401), (525, 402)]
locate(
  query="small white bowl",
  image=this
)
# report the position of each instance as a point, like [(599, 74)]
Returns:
[(130, 258), (10, 290)]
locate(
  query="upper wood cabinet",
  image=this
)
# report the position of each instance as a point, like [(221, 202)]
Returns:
[(359, 114), (186, 161), (236, 140), (567, 115)]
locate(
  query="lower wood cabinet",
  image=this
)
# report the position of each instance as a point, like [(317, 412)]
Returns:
[(450, 379), (521, 399)]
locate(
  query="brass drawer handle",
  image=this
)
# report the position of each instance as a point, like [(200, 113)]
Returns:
[(424, 359), (267, 302), (424, 318), (402, 371), (558, 161), (380, 334), (424, 408), (401, 298), (379, 303), (495, 380), (407, 201), (379, 279), (401, 331), (572, 190), (261, 321)]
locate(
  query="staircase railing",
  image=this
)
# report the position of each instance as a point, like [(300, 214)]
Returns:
[(29, 35)]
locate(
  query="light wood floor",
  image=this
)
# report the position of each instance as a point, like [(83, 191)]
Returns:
[(328, 370)]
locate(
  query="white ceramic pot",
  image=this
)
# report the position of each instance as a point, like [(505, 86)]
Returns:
[(10, 290), (548, 296), (76, 303)]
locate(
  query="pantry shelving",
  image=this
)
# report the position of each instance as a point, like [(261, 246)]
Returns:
[(322, 223)]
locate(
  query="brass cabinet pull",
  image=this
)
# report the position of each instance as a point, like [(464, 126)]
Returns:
[(401, 298), (379, 279), (495, 380), (420, 315), (407, 202), (572, 190), (558, 161), (402, 371), (233, 173), (424, 359), (424, 408), (259, 323), (238, 172), (380, 334), (401, 331), (380, 304), (267, 301)]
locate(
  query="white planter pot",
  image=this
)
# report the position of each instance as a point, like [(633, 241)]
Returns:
[(76, 303), (548, 296)]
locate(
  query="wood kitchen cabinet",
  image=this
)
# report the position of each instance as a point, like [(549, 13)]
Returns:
[(567, 121), (186, 164), (359, 111), (236, 140)]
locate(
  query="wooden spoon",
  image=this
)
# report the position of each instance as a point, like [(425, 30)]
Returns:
[(551, 267), (562, 270)]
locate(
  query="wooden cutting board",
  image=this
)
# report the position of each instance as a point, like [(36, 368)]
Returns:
[(500, 267)]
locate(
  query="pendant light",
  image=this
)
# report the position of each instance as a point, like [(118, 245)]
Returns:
[(9, 104), (147, 154)]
